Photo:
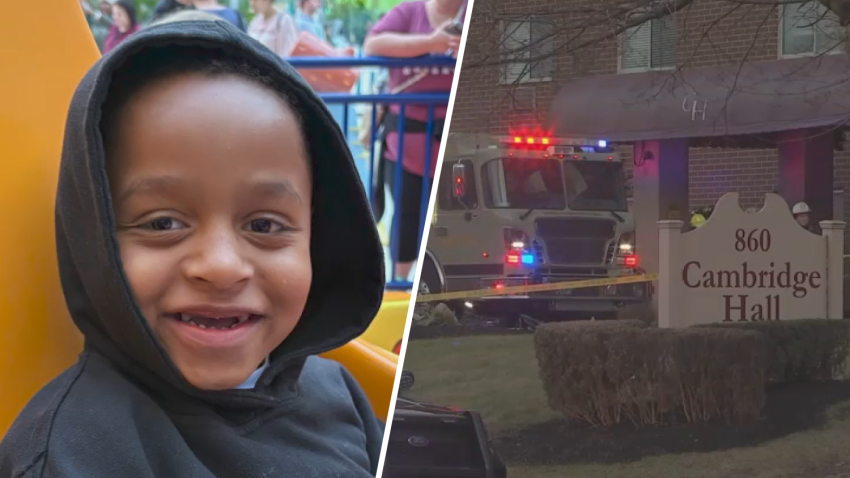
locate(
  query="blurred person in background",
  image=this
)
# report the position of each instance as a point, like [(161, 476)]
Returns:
[(338, 37), (105, 8), (329, 33), (307, 18), (100, 20), (273, 28), (188, 15), (167, 7), (409, 30), (229, 14), (125, 24)]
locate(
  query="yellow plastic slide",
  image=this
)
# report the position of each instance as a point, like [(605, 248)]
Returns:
[(41, 63)]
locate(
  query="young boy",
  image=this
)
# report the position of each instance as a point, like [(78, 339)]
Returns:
[(213, 236)]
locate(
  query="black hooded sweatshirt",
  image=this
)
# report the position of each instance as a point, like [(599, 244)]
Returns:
[(124, 410)]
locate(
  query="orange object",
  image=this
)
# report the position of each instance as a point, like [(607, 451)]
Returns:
[(42, 63), (338, 80), (374, 369), (392, 357), (388, 327)]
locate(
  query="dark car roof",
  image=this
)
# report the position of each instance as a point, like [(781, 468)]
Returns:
[(408, 406)]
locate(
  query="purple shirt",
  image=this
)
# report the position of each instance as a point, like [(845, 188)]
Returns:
[(115, 37), (411, 17)]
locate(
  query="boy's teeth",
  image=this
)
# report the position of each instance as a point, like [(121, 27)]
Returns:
[(210, 322)]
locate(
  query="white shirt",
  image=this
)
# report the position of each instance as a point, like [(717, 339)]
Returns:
[(252, 380), (278, 33)]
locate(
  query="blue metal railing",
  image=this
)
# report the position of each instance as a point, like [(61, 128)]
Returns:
[(402, 100)]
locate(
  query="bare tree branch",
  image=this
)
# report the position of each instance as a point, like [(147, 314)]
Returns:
[(576, 38), (622, 16)]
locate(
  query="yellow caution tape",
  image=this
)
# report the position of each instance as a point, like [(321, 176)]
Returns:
[(525, 289)]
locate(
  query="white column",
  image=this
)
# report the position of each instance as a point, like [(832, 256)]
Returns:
[(834, 233), (669, 251), (660, 191)]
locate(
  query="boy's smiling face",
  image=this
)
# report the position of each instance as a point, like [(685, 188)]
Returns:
[(211, 187)]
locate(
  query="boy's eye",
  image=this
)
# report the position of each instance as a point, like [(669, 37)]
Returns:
[(164, 224), (264, 226)]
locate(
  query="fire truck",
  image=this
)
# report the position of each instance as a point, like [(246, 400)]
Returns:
[(532, 209)]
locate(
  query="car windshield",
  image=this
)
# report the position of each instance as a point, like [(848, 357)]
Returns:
[(523, 183), (595, 185)]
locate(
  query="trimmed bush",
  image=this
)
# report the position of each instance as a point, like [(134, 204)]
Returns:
[(642, 312), (806, 350), (604, 374)]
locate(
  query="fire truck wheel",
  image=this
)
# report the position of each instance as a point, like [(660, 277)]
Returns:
[(431, 277)]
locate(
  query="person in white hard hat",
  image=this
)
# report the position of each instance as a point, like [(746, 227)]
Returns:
[(803, 215)]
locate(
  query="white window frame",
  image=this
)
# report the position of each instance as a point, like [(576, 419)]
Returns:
[(622, 39), (526, 76), (781, 36)]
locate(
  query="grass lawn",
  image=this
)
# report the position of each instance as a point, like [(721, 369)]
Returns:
[(497, 376)]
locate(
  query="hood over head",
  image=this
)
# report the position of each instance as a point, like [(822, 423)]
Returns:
[(346, 254)]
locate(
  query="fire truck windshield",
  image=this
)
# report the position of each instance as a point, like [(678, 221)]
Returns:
[(595, 185), (523, 183)]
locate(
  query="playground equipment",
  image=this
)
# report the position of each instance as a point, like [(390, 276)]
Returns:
[(42, 64)]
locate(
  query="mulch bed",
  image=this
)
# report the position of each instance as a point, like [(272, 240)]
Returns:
[(471, 325), (788, 409), (445, 331)]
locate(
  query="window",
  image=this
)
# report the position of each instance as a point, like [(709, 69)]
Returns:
[(809, 29), (446, 199), (523, 183), (650, 45), (595, 186), (524, 40)]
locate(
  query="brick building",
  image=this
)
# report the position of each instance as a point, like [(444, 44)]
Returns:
[(702, 36)]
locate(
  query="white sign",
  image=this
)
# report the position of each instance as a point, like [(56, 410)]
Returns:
[(743, 267)]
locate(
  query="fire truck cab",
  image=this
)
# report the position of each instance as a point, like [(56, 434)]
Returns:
[(528, 209)]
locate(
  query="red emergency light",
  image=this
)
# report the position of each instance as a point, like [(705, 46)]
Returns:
[(632, 261), (530, 140), (538, 139), (459, 186)]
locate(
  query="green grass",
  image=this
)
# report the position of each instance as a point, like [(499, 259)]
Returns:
[(497, 376)]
